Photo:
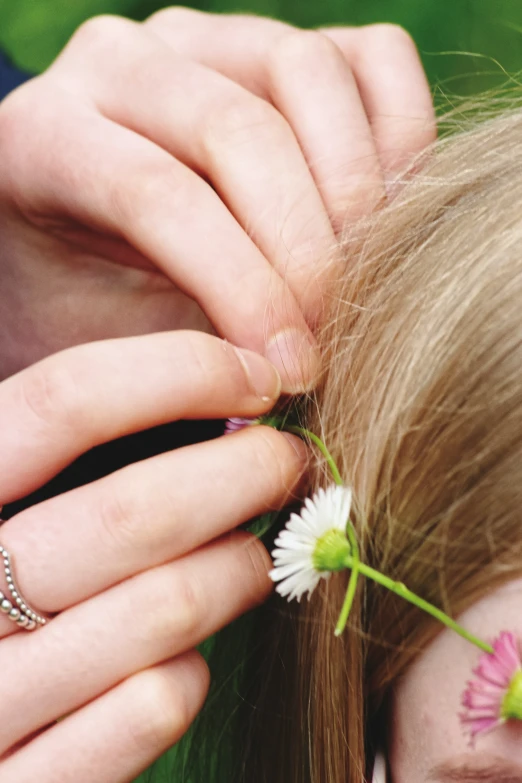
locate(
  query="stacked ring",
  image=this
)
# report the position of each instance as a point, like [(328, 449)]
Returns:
[(17, 609)]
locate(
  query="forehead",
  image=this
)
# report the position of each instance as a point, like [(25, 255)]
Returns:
[(424, 729)]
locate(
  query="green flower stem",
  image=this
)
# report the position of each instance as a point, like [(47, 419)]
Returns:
[(348, 601), (401, 590), (353, 562), (322, 448), (350, 530)]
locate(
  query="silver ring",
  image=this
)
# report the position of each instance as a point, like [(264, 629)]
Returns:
[(15, 607)]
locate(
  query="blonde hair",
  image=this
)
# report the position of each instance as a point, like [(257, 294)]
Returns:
[(421, 406)]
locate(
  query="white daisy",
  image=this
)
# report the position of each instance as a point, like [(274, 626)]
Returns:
[(313, 543)]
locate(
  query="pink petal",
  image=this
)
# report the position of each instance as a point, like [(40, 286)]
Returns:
[(479, 725), (235, 423), (489, 670), (482, 700), (474, 700), (506, 652)]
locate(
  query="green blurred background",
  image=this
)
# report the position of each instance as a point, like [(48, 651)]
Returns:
[(466, 45)]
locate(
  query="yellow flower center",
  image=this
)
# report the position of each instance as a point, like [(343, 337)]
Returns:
[(512, 702), (331, 551)]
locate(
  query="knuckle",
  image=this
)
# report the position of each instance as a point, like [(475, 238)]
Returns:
[(145, 189), (240, 120), (182, 590), (120, 521), (100, 33), (258, 564), (191, 605), (49, 391), (299, 46), (174, 16), (387, 36), (126, 519), (161, 712)]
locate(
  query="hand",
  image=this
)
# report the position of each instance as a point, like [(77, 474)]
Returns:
[(141, 565), (196, 163)]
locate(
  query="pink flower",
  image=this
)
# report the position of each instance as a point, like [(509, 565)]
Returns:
[(495, 696), (235, 424)]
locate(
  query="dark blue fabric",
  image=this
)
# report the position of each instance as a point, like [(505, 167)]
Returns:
[(10, 77)]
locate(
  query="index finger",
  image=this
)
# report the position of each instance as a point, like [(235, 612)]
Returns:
[(65, 405), (114, 182)]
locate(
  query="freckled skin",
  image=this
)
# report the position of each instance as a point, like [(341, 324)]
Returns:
[(425, 729)]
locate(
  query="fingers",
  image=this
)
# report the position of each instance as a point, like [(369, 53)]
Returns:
[(118, 735), (233, 44), (330, 122), (54, 411), (238, 142), (393, 87), (383, 59), (109, 178), (80, 543), (152, 617), (305, 76)]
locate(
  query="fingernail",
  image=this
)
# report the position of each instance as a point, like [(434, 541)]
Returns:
[(262, 377), (295, 357), (298, 446)]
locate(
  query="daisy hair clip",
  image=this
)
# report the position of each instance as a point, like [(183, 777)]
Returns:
[(321, 540)]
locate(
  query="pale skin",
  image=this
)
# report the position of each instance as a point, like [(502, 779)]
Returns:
[(191, 172), (140, 566), (426, 743), (196, 169)]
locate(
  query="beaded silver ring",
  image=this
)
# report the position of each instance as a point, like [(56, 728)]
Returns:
[(15, 606), (17, 609)]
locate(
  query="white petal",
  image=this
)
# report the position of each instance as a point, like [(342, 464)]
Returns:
[(284, 558), (298, 584), (280, 572), (302, 525), (295, 545)]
